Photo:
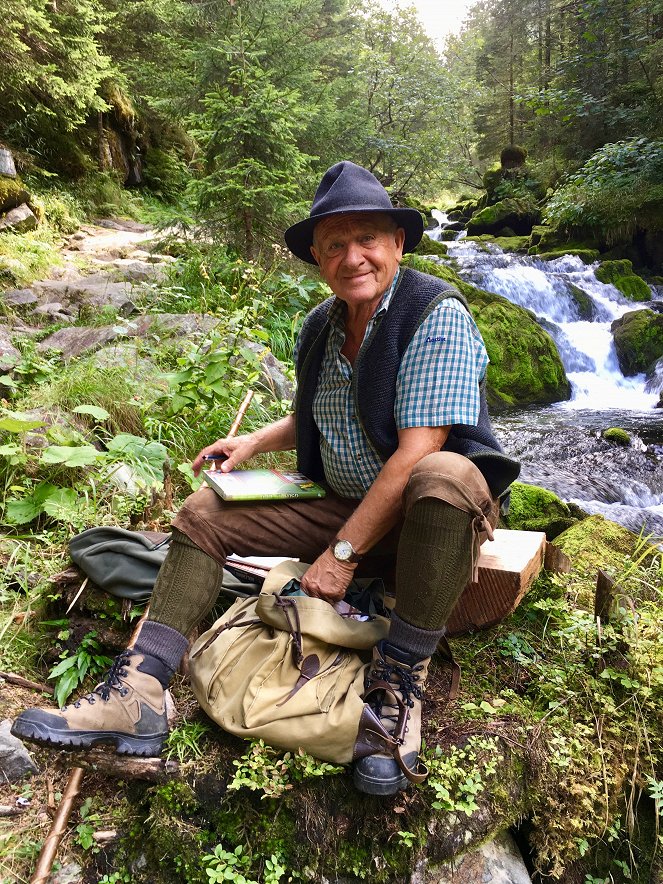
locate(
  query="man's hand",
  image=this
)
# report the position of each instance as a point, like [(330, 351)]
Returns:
[(236, 449), (327, 578)]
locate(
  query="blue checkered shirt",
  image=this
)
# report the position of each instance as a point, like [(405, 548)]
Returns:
[(437, 385)]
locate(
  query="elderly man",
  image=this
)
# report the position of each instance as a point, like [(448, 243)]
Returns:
[(390, 414)]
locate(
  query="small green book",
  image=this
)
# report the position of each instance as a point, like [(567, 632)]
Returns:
[(262, 485)]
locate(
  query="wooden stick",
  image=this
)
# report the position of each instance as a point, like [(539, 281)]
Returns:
[(77, 596), (26, 683), (128, 767), (136, 632), (240, 413), (605, 596), (50, 846)]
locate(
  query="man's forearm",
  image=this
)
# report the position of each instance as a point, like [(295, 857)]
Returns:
[(279, 436)]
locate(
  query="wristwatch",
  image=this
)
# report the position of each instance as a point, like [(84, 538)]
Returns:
[(343, 551)]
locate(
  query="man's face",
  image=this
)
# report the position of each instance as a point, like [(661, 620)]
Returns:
[(358, 255)]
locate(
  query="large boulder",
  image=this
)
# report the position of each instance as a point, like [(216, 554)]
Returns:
[(621, 275), (19, 220), (12, 193), (536, 509), (525, 368), (520, 214), (638, 339)]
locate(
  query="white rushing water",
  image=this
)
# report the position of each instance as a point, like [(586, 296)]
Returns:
[(585, 346)]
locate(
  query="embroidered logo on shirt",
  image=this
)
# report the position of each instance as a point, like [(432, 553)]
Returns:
[(438, 339)]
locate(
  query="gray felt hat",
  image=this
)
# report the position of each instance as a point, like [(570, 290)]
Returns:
[(346, 187)]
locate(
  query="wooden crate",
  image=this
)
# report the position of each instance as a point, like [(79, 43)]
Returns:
[(508, 566)]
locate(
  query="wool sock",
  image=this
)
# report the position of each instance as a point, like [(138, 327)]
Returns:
[(160, 644), (187, 586), (433, 566)]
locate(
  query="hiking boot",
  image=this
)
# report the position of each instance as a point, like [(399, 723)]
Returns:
[(394, 690), (127, 709)]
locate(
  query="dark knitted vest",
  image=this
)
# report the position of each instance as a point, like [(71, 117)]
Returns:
[(374, 383)]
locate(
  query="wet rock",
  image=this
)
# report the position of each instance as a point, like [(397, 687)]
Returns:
[(19, 297), (518, 214), (15, 762), (621, 275), (497, 862), (19, 220), (638, 339), (9, 355), (74, 341), (617, 435)]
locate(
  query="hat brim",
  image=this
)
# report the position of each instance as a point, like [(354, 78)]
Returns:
[(299, 237)]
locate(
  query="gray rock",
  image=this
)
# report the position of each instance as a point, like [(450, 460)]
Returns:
[(19, 297), (139, 271), (55, 311), (7, 166), (122, 224), (273, 373), (15, 761), (9, 355), (497, 862), (20, 219), (177, 325), (74, 341), (125, 355), (72, 873)]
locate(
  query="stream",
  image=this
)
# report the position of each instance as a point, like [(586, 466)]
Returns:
[(560, 446)]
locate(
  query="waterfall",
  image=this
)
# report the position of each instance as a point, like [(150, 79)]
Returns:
[(561, 445)]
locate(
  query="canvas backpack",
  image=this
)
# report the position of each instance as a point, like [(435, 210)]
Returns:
[(289, 669)]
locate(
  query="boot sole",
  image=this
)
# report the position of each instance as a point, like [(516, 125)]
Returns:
[(147, 745), (382, 786)]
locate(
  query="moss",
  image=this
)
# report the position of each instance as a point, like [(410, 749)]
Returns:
[(492, 177), (429, 246), (506, 243), (638, 339), (616, 434), (12, 193), (621, 275), (583, 302), (536, 509), (525, 367), (513, 156), (587, 256), (597, 543), (520, 214)]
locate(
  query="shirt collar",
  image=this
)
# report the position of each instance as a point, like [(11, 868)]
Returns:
[(337, 310)]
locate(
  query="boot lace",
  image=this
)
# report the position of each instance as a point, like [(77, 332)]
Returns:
[(112, 682), (404, 679)]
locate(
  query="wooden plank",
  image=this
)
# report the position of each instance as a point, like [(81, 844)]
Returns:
[(508, 566)]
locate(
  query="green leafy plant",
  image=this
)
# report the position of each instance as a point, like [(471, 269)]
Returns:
[(265, 769), (71, 671), (458, 775), (224, 865)]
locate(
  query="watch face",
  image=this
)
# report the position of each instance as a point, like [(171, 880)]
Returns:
[(343, 550)]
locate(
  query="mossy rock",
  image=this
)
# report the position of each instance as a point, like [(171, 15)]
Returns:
[(587, 256), (536, 509), (464, 210), (525, 368), (585, 305), (538, 232), (517, 213), (429, 246), (621, 275), (597, 543), (12, 193), (513, 156), (616, 434), (506, 243), (448, 235), (492, 178), (638, 339)]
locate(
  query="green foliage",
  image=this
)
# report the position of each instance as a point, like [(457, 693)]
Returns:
[(72, 670), (25, 257), (617, 190), (270, 771), (184, 741), (458, 775)]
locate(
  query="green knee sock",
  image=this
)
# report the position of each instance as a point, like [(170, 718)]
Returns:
[(434, 563), (187, 586)]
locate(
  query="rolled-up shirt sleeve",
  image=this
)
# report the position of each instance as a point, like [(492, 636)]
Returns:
[(438, 380)]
